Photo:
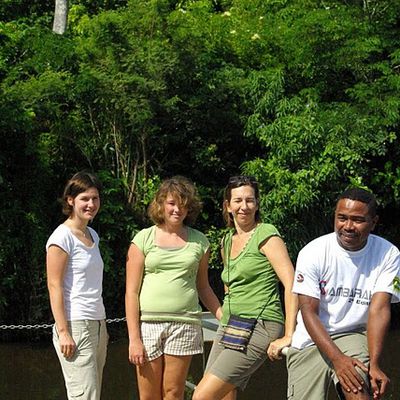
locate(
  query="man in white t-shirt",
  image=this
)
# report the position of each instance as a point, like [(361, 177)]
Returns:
[(346, 281)]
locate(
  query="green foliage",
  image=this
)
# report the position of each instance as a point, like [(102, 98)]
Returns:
[(215, 236), (115, 226), (302, 94), (24, 186), (96, 6), (325, 111), (24, 9)]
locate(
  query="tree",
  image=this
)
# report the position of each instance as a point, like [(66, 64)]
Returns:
[(60, 17), (326, 113), (302, 94)]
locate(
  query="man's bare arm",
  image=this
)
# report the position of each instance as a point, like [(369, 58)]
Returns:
[(377, 328), (344, 365)]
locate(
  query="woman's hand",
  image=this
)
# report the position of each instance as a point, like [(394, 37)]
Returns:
[(274, 350), (134, 278), (277, 254), (67, 344), (137, 352), (219, 313)]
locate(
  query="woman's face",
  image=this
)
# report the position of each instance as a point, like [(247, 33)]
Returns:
[(243, 204), (86, 204), (174, 212)]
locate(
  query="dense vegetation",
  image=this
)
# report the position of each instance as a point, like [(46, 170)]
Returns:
[(302, 94)]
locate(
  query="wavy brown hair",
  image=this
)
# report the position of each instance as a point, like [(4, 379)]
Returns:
[(184, 192), (79, 183)]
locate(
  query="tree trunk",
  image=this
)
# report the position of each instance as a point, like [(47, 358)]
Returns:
[(60, 17)]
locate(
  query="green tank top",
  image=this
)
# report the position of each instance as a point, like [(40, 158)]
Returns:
[(251, 280), (169, 291)]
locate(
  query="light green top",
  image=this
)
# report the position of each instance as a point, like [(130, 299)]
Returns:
[(168, 291), (251, 280)]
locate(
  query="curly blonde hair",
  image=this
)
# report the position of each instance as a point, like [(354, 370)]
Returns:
[(181, 189)]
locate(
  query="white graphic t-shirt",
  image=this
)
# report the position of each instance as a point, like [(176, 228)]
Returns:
[(344, 282)]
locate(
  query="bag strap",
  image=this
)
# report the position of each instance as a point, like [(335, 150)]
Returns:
[(227, 252)]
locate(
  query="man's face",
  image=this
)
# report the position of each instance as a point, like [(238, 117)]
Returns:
[(353, 224)]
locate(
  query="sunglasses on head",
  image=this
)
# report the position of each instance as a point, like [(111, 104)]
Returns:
[(242, 180)]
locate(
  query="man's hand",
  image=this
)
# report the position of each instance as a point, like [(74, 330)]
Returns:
[(349, 378), (377, 328), (379, 382)]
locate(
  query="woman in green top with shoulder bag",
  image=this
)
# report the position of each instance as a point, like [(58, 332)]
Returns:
[(253, 324)]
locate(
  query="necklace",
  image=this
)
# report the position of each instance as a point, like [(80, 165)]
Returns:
[(246, 233), (240, 240), (78, 231)]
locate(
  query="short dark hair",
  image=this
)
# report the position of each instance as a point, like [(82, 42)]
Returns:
[(183, 190), (79, 183), (362, 195), (233, 183)]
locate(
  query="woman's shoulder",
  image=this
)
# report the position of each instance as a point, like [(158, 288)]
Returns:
[(197, 236), (145, 232), (144, 239), (265, 228), (227, 236), (264, 231), (62, 230), (94, 234), (196, 232), (61, 236)]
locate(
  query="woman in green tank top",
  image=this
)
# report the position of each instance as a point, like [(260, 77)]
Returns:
[(255, 261), (166, 273)]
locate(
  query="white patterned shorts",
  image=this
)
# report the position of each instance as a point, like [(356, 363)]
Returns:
[(172, 338)]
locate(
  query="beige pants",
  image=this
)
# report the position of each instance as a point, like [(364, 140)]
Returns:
[(235, 367), (84, 371), (310, 374)]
